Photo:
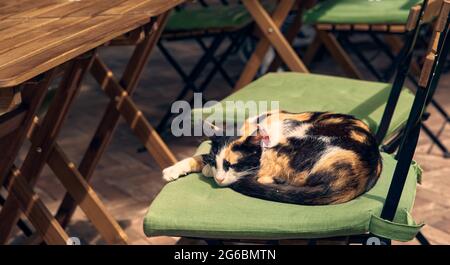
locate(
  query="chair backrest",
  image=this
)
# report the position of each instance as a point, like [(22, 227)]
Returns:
[(436, 54), (418, 16)]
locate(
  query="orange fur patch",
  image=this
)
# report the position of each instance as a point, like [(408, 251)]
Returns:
[(358, 136), (196, 163)]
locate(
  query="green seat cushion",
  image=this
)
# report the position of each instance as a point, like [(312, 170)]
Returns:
[(297, 92), (194, 206), (360, 12), (214, 17)]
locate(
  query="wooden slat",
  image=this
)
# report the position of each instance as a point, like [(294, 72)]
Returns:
[(32, 96), (272, 32), (86, 197), (343, 27), (442, 19), (42, 11), (73, 43), (98, 22), (41, 31), (9, 99), (339, 54), (444, 10), (34, 209), (326, 27), (361, 27), (9, 29), (105, 129), (431, 10), (262, 47), (45, 138), (397, 28), (379, 27), (91, 8), (426, 70), (412, 17), (148, 7), (11, 121), (133, 116), (17, 7)]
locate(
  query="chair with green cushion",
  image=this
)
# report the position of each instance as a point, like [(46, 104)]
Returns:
[(335, 21), (194, 206), (393, 12), (384, 22)]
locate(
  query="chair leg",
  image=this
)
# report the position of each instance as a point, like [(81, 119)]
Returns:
[(291, 33), (312, 50), (216, 63), (234, 43), (21, 224), (422, 239), (255, 61), (273, 34), (338, 53), (193, 76), (436, 140), (346, 42)]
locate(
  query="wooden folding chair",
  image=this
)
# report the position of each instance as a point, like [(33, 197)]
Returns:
[(383, 212)]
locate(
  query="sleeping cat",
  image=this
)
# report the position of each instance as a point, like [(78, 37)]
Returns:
[(310, 158)]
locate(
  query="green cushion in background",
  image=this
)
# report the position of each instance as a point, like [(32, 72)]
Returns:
[(360, 12), (215, 17), (298, 92), (194, 206)]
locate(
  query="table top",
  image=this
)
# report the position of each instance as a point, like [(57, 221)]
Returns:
[(36, 36)]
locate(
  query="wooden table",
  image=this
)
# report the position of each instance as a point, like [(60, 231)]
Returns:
[(269, 26), (40, 41)]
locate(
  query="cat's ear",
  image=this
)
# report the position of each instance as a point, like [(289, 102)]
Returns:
[(259, 137)]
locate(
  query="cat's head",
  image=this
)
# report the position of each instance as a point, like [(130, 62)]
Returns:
[(234, 157)]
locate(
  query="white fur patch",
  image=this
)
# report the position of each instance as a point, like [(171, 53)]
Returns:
[(179, 169), (208, 171)]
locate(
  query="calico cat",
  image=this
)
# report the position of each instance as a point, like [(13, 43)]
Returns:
[(310, 158)]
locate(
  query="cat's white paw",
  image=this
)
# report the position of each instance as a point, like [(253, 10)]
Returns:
[(181, 168)]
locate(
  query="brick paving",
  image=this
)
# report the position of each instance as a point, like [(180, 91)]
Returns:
[(128, 181)]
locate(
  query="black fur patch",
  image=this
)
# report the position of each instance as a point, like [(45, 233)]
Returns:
[(296, 148)]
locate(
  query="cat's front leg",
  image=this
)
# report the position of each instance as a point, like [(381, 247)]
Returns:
[(208, 171), (184, 167)]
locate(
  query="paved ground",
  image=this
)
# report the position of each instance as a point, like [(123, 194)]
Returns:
[(128, 181)]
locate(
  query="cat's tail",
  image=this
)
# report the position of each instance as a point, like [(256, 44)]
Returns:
[(317, 195)]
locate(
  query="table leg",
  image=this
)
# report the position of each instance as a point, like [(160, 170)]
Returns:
[(34, 209), (106, 128), (45, 139), (82, 193), (32, 97), (271, 36)]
